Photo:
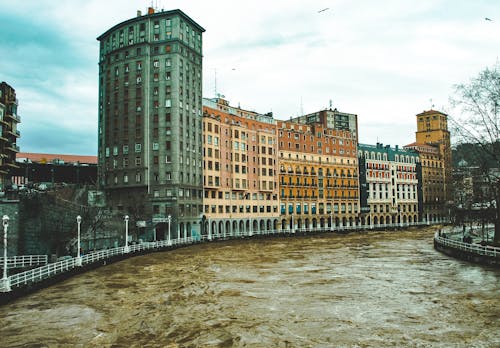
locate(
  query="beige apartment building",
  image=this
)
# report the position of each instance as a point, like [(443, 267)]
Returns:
[(239, 170)]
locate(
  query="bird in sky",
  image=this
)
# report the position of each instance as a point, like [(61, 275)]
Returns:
[(487, 19), (323, 10)]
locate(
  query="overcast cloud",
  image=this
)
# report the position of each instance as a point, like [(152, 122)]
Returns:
[(382, 60)]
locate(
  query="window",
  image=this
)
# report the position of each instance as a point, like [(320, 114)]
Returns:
[(125, 149), (138, 147)]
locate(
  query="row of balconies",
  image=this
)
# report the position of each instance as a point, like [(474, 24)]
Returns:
[(313, 173), (328, 214), (314, 185), (285, 197)]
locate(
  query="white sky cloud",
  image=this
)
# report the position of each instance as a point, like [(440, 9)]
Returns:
[(383, 60)]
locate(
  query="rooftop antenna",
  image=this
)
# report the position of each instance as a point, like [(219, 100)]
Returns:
[(301, 107), (330, 104), (432, 105)]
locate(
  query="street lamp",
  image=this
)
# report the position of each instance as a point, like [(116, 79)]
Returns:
[(78, 256), (209, 229), (331, 219), (5, 280), (126, 249), (169, 220)]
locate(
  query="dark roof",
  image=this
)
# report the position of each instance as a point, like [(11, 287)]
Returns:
[(156, 14)]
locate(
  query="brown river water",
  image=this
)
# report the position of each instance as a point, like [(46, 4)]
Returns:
[(377, 289)]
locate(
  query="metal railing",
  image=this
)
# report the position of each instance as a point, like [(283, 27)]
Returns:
[(52, 269), (25, 261), (449, 239)]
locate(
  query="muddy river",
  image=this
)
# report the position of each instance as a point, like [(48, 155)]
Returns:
[(378, 289)]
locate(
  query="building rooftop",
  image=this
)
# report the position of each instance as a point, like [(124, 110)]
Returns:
[(50, 158), (431, 112), (153, 14)]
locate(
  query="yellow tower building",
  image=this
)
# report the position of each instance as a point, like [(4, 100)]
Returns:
[(433, 144)]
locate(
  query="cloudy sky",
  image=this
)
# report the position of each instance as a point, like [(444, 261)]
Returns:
[(383, 60)]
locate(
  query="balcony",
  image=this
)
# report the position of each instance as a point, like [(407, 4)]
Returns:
[(12, 147), (16, 133), (14, 117), (12, 165)]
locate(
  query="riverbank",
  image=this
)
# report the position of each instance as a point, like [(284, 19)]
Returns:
[(468, 247)]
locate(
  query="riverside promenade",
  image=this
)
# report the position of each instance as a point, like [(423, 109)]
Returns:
[(468, 244)]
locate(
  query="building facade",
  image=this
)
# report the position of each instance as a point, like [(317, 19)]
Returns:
[(433, 145), (318, 177), (8, 132), (432, 129), (332, 119), (433, 208), (389, 185), (150, 121), (239, 170)]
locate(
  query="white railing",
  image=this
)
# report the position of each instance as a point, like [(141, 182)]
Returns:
[(25, 261), (450, 240), (52, 269)]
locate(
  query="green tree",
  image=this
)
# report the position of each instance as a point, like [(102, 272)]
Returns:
[(477, 106)]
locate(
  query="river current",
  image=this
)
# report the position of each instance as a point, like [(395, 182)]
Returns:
[(376, 289)]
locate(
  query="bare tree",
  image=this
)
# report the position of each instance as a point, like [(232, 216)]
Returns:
[(477, 106)]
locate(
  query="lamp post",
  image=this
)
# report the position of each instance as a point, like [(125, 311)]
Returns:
[(209, 229), (126, 249), (5, 280), (169, 220), (331, 219), (78, 256)]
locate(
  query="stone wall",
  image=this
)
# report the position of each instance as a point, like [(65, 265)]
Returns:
[(45, 223), (11, 209)]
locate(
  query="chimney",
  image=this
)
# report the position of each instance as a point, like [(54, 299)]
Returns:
[(139, 13), (151, 10)]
